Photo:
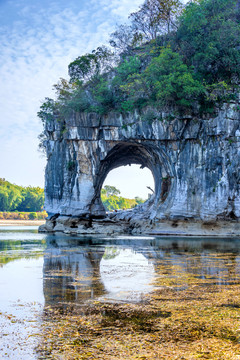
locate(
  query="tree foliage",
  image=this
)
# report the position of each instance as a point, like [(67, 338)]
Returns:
[(46, 112), (10, 196), (166, 81), (89, 66), (155, 17), (123, 38), (209, 39), (112, 200), (185, 59), (14, 197), (109, 190), (172, 81)]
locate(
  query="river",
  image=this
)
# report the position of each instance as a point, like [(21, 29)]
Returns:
[(39, 272)]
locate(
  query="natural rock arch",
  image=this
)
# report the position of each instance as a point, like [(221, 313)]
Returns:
[(142, 153), (194, 162)]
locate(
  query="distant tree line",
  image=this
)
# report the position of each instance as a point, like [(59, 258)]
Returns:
[(17, 198), (112, 200)]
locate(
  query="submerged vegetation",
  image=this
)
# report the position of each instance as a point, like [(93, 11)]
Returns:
[(184, 58), (193, 313)]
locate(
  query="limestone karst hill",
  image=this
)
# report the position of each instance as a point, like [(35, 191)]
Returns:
[(169, 102)]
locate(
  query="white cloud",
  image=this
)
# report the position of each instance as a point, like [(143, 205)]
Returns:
[(121, 8)]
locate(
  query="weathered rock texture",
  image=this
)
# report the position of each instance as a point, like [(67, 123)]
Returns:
[(194, 162)]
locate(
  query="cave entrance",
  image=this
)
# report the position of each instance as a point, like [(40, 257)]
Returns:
[(126, 187), (144, 154)]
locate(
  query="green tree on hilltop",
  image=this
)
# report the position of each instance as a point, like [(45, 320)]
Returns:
[(209, 39), (183, 59)]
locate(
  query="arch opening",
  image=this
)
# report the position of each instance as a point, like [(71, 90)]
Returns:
[(135, 181), (128, 153), (126, 187)]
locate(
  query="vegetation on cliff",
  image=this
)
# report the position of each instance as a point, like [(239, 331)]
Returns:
[(184, 58)]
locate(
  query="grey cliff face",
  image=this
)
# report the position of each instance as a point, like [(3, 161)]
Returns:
[(194, 162)]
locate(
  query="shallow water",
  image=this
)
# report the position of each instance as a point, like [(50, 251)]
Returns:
[(39, 271)]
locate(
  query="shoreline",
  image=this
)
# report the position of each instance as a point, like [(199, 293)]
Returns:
[(120, 226), (11, 222)]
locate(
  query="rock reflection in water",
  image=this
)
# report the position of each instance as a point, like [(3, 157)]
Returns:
[(71, 272), (194, 298), (76, 270), (124, 268)]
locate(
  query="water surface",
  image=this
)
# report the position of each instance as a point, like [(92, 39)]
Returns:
[(40, 271)]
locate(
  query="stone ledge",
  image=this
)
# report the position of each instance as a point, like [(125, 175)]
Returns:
[(183, 228)]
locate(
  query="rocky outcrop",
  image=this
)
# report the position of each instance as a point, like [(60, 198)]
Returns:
[(194, 162)]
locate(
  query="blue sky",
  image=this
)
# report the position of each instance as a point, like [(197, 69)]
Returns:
[(38, 39)]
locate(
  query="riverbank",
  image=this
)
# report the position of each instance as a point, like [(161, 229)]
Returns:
[(21, 222), (120, 224)]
